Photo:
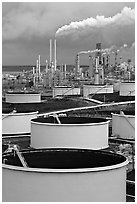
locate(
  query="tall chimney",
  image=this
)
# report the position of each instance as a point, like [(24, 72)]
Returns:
[(37, 69), (55, 55), (65, 70), (77, 66), (90, 67), (50, 52), (39, 66), (33, 70), (96, 75), (46, 66), (98, 53)]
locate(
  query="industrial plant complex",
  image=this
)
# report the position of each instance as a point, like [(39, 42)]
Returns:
[(68, 102), (68, 133)]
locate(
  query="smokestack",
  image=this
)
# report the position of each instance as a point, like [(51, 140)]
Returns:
[(90, 67), (50, 52), (96, 75), (65, 69), (108, 60), (37, 69), (34, 81), (46, 66), (98, 53), (77, 65), (55, 55), (116, 54), (33, 70), (97, 59), (39, 66)]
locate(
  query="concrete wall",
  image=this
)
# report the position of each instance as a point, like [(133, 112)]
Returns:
[(23, 98), (127, 89), (94, 89), (17, 123), (88, 136), (123, 125), (65, 91), (106, 184)]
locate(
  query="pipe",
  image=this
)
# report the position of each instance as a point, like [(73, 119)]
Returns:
[(14, 111)]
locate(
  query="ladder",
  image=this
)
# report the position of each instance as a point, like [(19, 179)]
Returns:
[(57, 118), (20, 155)]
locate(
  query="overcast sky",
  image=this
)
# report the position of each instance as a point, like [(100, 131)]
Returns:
[(27, 28)]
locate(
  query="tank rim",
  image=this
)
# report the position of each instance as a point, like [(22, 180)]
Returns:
[(78, 170), (67, 124), (18, 113), (69, 170)]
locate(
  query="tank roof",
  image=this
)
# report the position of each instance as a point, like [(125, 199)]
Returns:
[(8, 111), (69, 120), (23, 92), (63, 158)]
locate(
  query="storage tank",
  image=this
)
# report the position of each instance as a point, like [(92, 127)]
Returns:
[(116, 86), (123, 125), (127, 89), (96, 89), (23, 97), (69, 132), (17, 122), (62, 90), (64, 175)]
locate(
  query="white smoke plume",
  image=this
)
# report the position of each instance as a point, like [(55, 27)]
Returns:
[(106, 50), (126, 17)]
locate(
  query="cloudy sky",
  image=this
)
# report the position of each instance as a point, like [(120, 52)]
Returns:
[(77, 26)]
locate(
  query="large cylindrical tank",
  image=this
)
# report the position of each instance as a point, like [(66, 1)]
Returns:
[(72, 132), (123, 126), (62, 90), (127, 89), (116, 86), (64, 175), (17, 123), (23, 97), (96, 89)]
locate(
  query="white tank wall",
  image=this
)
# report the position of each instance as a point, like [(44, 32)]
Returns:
[(116, 86), (92, 89), (17, 123), (124, 126), (23, 98), (127, 89), (89, 136), (65, 91), (95, 185)]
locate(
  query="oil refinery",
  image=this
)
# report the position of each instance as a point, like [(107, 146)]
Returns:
[(69, 135)]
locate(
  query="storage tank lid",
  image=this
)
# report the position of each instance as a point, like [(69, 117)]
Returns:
[(66, 159)]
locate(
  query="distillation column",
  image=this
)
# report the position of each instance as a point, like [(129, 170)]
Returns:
[(77, 67), (91, 73)]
